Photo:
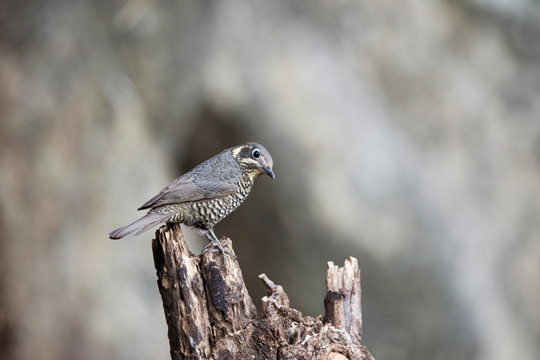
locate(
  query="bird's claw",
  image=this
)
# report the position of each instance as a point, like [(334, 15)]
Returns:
[(220, 248)]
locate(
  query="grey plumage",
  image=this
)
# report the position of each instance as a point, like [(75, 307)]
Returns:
[(206, 194), (141, 225)]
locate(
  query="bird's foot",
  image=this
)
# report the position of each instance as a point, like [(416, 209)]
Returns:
[(208, 248), (223, 251)]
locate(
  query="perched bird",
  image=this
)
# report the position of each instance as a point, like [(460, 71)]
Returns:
[(206, 194)]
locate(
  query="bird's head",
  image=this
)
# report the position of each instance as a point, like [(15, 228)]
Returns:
[(254, 158)]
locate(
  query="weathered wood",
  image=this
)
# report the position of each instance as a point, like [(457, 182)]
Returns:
[(210, 314), (182, 291), (342, 303)]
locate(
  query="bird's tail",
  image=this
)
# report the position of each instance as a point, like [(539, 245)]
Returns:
[(146, 222)]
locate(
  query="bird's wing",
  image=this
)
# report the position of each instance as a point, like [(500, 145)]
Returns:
[(212, 179)]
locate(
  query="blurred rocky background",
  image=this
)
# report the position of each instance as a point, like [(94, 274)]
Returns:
[(404, 133)]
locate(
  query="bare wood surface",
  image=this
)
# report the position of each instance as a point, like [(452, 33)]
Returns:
[(210, 314), (342, 304), (182, 291)]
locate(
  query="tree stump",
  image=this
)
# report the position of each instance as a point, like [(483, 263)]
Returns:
[(210, 314)]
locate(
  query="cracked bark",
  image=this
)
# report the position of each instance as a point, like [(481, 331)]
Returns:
[(210, 314)]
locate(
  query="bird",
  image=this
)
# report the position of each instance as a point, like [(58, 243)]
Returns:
[(206, 194)]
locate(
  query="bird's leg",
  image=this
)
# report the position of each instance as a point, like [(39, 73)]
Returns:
[(214, 240)]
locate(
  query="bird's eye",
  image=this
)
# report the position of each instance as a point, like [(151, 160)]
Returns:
[(256, 153)]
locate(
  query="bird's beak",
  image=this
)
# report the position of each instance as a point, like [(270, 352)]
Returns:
[(269, 172)]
